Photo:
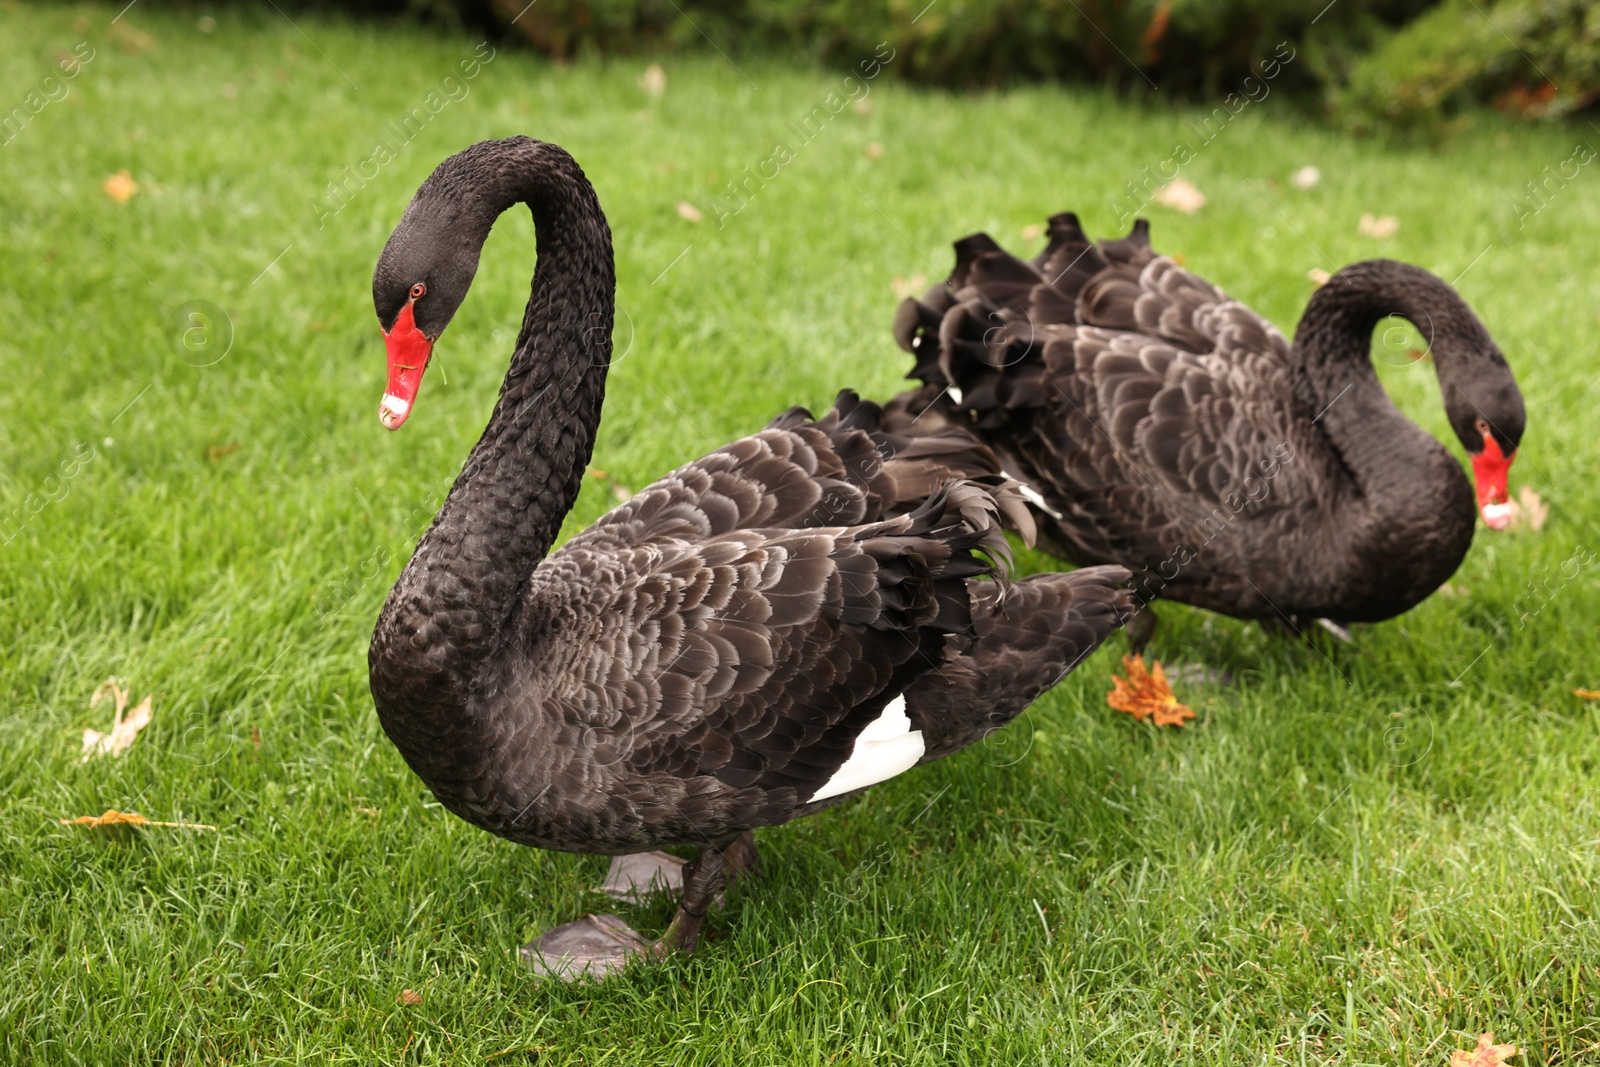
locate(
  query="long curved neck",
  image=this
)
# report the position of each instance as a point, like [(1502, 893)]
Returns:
[(1335, 381), (456, 598)]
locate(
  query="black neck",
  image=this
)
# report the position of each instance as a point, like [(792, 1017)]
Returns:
[(451, 608), (1334, 379)]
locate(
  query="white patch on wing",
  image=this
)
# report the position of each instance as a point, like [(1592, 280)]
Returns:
[(1034, 497), (887, 747)]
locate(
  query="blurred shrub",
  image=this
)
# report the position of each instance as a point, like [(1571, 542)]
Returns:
[(1183, 46), (1535, 58)]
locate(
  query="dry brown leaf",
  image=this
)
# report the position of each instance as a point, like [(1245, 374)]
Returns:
[(113, 817), (120, 187), (689, 211), (653, 80), (595, 472), (874, 150), (1032, 232), (906, 287), (130, 40), (1487, 1054), (1381, 227), (862, 106), (1181, 194), (1587, 694), (216, 452), (1305, 178), (408, 998), (1145, 694), (1318, 275), (621, 492), (1528, 510), (123, 729)]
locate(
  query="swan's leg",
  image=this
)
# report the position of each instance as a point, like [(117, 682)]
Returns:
[(1140, 629), (720, 864)]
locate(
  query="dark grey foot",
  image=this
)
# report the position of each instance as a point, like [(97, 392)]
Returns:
[(1141, 627), (635, 878), (592, 947)]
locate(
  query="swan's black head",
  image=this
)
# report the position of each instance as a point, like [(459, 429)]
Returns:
[(1485, 408), (421, 279)]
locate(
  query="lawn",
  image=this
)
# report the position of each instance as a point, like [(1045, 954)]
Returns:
[(1362, 854)]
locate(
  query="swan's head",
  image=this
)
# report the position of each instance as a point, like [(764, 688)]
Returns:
[(421, 279), (1487, 415)]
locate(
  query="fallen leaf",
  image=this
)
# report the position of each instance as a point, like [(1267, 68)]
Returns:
[(1587, 694), (1305, 178), (621, 492), (130, 40), (255, 737), (120, 187), (1032, 232), (409, 998), (653, 80), (862, 106), (1145, 693), (113, 817), (371, 813), (595, 472), (1528, 509), (216, 452), (1180, 194), (908, 287), (1318, 275), (690, 212), (1415, 354), (1381, 227), (1487, 1054), (123, 730), (874, 150)]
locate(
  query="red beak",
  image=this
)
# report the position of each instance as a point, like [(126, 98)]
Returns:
[(409, 351), (1490, 469)]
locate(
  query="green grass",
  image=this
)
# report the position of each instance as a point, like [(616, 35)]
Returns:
[(1362, 855)]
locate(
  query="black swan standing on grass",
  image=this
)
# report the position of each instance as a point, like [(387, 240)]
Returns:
[(753, 638), (1161, 425)]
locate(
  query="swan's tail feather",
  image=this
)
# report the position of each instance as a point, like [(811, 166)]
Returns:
[(1021, 646)]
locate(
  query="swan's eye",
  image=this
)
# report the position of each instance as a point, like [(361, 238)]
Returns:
[(1482, 426), (417, 291)]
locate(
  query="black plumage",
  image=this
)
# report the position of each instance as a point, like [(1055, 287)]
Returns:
[(1171, 429), (703, 659)]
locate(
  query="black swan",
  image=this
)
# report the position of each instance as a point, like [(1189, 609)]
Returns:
[(1164, 426), (755, 637)]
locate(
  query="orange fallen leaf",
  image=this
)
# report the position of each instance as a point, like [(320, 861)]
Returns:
[(1145, 694), (409, 998), (1318, 275), (689, 211), (113, 817), (1032, 232), (653, 80), (1587, 694), (1381, 227), (1181, 194), (874, 150), (123, 730), (1487, 1054), (120, 187)]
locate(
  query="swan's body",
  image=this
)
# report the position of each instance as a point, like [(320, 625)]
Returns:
[(796, 616), (1169, 428)]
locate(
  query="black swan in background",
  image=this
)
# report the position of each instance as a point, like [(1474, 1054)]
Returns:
[(753, 638), (1161, 425)]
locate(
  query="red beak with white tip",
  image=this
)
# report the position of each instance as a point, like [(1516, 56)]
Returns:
[(1490, 471), (409, 351)]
